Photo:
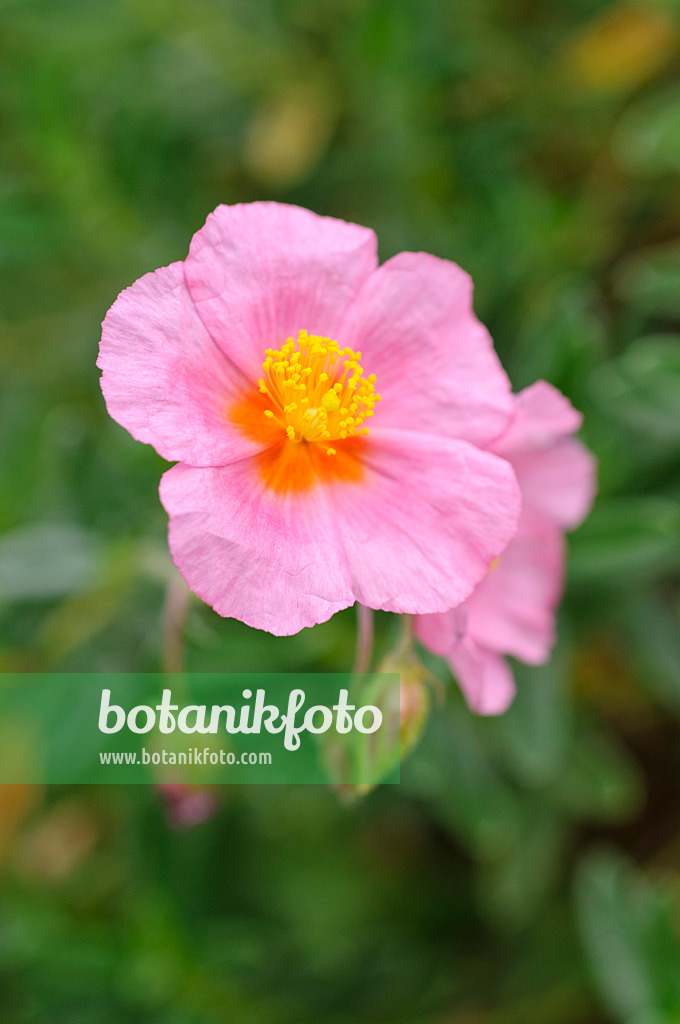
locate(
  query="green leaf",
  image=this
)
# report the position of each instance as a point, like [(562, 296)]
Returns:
[(625, 541), (626, 923), (649, 281), (648, 138), (514, 889), (641, 389), (653, 634), (453, 772), (533, 734), (601, 780), (46, 560)]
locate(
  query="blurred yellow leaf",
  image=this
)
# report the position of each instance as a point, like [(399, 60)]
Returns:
[(16, 802), (59, 843), (72, 624), (289, 133), (622, 48)]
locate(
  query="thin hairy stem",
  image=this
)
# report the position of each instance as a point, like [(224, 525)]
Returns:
[(175, 611), (364, 647)]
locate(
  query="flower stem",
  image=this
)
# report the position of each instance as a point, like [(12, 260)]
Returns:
[(405, 642), (175, 611), (364, 647)]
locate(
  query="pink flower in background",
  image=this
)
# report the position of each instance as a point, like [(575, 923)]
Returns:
[(331, 419), (187, 805), (512, 611)]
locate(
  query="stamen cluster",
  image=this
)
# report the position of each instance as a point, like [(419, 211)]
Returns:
[(317, 390)]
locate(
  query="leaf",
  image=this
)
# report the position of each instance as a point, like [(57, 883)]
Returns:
[(46, 560), (647, 140), (621, 48), (514, 889), (454, 774), (625, 541), (626, 923), (641, 389), (533, 734), (649, 281), (600, 781), (653, 633)]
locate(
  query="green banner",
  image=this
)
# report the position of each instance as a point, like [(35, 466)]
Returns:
[(199, 729)]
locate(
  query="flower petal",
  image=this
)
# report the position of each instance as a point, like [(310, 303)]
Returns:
[(512, 611), (434, 361), (556, 473), (558, 482), (543, 415), (426, 521), (260, 272), (441, 632), (274, 563), (414, 531), (484, 677), (163, 377)]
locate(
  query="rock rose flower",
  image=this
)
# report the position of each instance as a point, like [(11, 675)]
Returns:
[(512, 611), (330, 419)]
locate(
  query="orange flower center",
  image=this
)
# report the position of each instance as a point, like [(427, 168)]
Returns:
[(311, 403), (316, 391)]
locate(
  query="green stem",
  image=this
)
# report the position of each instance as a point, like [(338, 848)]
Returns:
[(364, 647), (175, 611)]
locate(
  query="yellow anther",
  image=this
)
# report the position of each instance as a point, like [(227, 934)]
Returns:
[(330, 401), (317, 390), (331, 451)]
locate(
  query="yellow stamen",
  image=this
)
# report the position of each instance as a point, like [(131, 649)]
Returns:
[(332, 396)]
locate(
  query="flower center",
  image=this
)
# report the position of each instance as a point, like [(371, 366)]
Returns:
[(317, 390)]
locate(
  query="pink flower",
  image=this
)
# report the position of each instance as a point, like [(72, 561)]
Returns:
[(300, 489), (187, 805), (512, 611)]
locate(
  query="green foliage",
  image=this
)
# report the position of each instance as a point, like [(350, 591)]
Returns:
[(537, 144)]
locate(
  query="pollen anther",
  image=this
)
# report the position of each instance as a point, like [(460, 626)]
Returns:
[(332, 395)]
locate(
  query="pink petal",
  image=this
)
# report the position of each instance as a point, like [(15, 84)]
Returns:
[(543, 415), (163, 377), (484, 677), (442, 631), (273, 562), (426, 522), (512, 611), (558, 482), (260, 272), (556, 473), (415, 533), (434, 361)]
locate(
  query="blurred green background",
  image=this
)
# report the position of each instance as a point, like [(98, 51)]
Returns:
[(528, 868)]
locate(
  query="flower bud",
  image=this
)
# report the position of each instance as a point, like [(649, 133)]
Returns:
[(187, 805), (414, 697), (405, 711)]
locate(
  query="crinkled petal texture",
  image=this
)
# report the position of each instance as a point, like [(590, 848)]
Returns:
[(415, 533), (181, 345), (435, 364), (512, 611), (163, 376), (258, 273), (263, 529)]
